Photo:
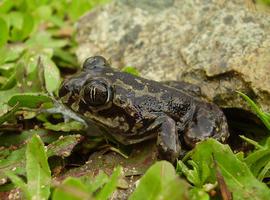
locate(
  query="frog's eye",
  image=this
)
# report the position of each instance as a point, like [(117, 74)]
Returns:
[(97, 93), (95, 62)]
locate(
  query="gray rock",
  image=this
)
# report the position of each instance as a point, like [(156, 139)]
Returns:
[(222, 46)]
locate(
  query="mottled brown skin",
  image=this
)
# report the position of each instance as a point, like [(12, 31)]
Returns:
[(133, 109)]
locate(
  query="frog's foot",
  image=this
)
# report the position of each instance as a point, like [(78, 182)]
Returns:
[(208, 121), (167, 141), (188, 88)]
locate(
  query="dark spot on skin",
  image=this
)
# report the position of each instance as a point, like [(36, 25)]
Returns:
[(228, 19)]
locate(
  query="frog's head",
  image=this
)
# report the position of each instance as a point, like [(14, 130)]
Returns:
[(208, 121), (88, 86), (94, 93)]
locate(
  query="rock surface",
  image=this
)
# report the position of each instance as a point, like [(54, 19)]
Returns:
[(220, 45)]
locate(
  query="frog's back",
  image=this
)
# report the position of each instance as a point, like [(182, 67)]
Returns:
[(150, 96)]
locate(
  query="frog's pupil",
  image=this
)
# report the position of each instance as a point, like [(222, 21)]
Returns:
[(96, 93)]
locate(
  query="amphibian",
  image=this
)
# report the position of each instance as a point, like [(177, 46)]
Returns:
[(132, 109)]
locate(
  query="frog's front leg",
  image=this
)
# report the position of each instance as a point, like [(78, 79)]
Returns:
[(167, 138)]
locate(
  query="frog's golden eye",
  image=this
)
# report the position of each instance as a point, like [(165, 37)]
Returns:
[(96, 93)]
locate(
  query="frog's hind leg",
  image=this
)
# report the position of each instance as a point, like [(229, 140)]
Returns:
[(188, 88), (167, 140)]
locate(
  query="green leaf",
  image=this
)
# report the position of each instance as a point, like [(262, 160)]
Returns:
[(9, 83), (4, 97), (65, 126), (131, 70), (8, 114), (194, 175), (52, 74), (257, 160), (100, 180), (5, 6), (78, 8), (29, 100), (43, 39), (16, 140), (43, 12), (37, 169), (156, 182), (263, 116), (264, 171), (4, 32), (11, 53), (66, 57), (19, 183), (28, 25), (239, 179), (14, 162), (15, 19), (174, 190), (198, 193), (23, 25), (71, 189), (63, 146), (110, 186)]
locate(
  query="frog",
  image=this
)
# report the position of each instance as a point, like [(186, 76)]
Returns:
[(132, 109)]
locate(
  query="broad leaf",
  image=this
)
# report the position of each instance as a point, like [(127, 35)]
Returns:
[(110, 186), (29, 100), (63, 146), (238, 177), (155, 184), (65, 126), (262, 115), (37, 169), (6, 116), (71, 189), (4, 32), (14, 162)]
